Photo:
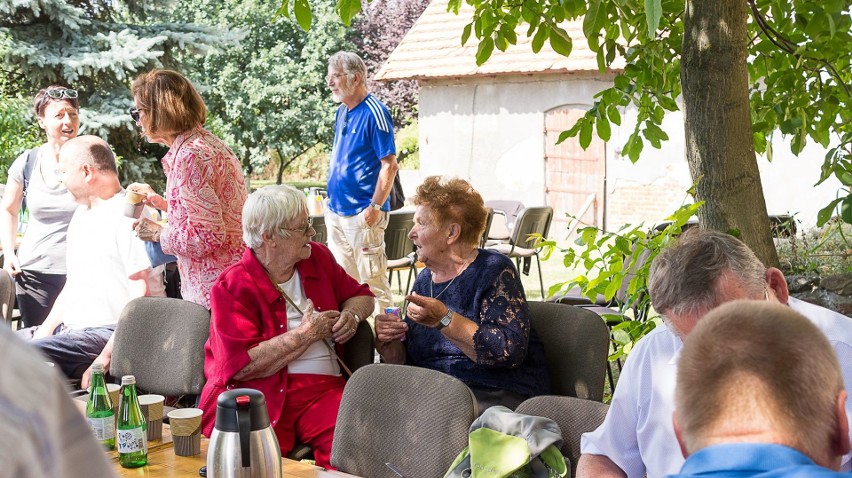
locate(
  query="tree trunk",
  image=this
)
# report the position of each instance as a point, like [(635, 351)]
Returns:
[(717, 121)]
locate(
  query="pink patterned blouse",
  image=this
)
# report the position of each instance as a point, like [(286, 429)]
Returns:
[(205, 190)]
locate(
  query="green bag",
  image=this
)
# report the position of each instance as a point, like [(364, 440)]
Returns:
[(505, 444)]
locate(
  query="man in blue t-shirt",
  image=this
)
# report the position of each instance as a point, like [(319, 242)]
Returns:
[(360, 176)]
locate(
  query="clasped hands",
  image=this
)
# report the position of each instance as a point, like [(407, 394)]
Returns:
[(421, 309), (340, 326)]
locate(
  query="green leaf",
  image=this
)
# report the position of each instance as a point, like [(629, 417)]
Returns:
[(586, 134), (304, 17), (560, 41), (846, 210), (603, 128), (825, 213), (540, 36), (284, 9), (653, 13), (347, 9), (483, 53), (500, 42), (594, 20), (613, 114), (466, 33)]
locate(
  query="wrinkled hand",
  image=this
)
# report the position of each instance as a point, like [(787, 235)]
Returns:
[(371, 216), (12, 265), (390, 327), (318, 325), (147, 230), (425, 310), (151, 198), (345, 327)]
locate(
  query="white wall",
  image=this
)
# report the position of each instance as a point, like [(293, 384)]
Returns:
[(491, 132)]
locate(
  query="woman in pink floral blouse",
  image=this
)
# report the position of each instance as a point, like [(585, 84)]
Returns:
[(205, 187)]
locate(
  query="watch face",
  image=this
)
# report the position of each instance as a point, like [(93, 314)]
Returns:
[(445, 321)]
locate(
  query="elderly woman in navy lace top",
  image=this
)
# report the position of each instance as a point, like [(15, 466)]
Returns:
[(467, 315)]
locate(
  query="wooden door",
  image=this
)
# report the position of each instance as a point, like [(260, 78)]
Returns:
[(574, 178)]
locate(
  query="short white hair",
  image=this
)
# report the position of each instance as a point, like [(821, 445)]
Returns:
[(268, 210)]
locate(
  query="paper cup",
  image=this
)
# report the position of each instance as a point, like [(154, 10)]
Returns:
[(186, 431), (133, 210), (152, 406), (155, 429), (133, 197), (113, 389)]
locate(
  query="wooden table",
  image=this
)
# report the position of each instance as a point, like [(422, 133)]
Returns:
[(162, 462)]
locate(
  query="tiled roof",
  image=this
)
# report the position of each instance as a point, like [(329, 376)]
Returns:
[(433, 49)]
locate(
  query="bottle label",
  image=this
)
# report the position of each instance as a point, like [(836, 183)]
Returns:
[(104, 428), (132, 440)]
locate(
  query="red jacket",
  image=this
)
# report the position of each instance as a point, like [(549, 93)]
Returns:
[(246, 309)]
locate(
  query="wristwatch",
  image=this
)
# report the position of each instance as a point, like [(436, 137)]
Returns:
[(357, 318), (377, 207), (445, 320)]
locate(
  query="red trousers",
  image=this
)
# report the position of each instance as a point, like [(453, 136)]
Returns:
[(310, 413)]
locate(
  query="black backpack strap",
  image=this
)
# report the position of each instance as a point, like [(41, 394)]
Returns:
[(32, 159)]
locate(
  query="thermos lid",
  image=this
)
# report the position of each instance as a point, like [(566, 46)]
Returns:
[(240, 399)]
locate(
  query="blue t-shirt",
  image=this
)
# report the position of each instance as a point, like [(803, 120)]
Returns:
[(752, 460), (509, 354), (362, 137)]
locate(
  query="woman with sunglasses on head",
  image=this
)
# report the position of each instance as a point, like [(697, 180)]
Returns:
[(38, 266), (205, 187)]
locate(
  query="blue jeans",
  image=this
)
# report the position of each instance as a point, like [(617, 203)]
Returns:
[(71, 350)]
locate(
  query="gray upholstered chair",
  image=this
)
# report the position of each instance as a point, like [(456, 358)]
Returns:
[(532, 220), (576, 344), (7, 296), (574, 416), (161, 341), (415, 418)]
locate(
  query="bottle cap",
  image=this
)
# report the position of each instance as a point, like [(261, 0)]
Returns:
[(98, 367), (128, 380)]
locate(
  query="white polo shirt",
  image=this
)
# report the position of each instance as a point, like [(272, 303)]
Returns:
[(637, 434)]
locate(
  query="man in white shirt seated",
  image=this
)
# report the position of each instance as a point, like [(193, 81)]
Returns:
[(759, 394), (701, 271), (107, 265)]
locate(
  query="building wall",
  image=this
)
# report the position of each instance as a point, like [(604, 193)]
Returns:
[(490, 130)]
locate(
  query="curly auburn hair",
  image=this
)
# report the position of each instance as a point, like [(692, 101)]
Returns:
[(454, 200)]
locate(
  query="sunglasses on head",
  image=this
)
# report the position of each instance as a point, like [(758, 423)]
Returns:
[(134, 113), (57, 94)]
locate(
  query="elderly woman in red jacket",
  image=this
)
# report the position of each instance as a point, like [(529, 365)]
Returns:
[(277, 315)]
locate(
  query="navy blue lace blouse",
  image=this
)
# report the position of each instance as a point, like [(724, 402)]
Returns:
[(509, 354)]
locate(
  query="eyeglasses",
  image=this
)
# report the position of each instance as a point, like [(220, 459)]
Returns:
[(333, 75), (134, 113), (303, 230), (56, 94)]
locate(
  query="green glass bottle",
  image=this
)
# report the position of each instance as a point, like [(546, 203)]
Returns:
[(99, 409), (132, 434)]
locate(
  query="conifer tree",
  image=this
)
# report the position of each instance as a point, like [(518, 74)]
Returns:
[(97, 47)]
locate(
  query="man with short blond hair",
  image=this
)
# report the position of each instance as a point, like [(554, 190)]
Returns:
[(699, 272), (759, 394)]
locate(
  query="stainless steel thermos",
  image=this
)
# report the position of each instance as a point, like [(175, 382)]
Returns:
[(242, 444)]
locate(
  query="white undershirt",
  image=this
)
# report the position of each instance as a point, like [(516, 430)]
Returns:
[(316, 359)]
